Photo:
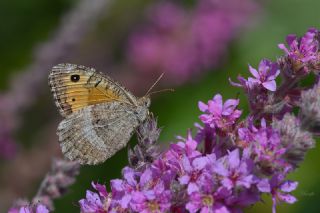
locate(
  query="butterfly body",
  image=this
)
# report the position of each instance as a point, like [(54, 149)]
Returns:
[(100, 114)]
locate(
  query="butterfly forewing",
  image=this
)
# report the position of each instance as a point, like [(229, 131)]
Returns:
[(75, 87)]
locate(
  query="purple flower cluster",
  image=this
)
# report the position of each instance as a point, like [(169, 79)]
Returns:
[(185, 179), (302, 55), (183, 42), (220, 116), (260, 85), (229, 163)]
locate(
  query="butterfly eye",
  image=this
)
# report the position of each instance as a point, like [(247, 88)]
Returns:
[(75, 78)]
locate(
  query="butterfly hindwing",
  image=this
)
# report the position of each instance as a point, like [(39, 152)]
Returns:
[(95, 133), (75, 87)]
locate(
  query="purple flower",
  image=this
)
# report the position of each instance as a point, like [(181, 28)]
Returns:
[(186, 146), (263, 77), (122, 189), (302, 53), (209, 200), (144, 192), (235, 172), (156, 199), (92, 203), (219, 115), (54, 185), (96, 202), (279, 189), (194, 173), (258, 88), (267, 149)]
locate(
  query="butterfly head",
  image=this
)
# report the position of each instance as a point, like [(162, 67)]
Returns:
[(145, 101)]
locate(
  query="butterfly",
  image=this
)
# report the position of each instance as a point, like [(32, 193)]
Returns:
[(100, 115)]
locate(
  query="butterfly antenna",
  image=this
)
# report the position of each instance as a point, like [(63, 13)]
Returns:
[(155, 83), (163, 90)]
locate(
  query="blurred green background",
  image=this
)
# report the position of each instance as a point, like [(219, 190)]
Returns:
[(23, 24)]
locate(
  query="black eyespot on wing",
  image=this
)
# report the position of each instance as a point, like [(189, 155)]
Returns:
[(73, 99), (75, 78)]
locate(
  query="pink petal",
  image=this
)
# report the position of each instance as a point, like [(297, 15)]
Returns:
[(125, 200), (254, 72), (270, 85), (264, 67), (199, 163), (202, 106), (289, 186), (229, 106), (215, 106), (264, 186), (184, 180), (234, 160), (287, 198), (221, 209), (192, 187), (291, 39), (234, 83), (284, 48), (226, 182)]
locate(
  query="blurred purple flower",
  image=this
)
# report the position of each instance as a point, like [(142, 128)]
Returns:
[(8, 146), (8, 123), (183, 42), (53, 186), (39, 208)]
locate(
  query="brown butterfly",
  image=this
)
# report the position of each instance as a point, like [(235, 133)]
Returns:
[(100, 114)]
